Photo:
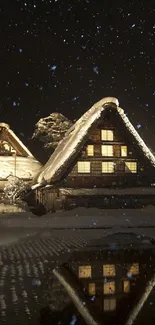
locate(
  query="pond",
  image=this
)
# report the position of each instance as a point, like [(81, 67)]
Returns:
[(104, 285)]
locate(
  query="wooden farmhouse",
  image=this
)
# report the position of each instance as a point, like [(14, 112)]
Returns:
[(15, 158), (101, 162)]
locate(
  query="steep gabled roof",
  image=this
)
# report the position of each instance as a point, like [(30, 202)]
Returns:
[(14, 140), (72, 143)]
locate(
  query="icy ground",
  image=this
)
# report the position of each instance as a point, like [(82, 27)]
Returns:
[(25, 268), (31, 246)]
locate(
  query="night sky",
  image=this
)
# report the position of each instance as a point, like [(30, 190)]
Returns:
[(65, 55)]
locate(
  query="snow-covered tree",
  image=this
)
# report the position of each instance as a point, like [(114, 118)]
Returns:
[(15, 188), (51, 129)]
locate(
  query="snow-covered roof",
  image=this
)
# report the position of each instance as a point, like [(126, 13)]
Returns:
[(71, 144), (13, 135)]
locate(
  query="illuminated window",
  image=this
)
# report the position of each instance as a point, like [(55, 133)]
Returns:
[(124, 151), (83, 166), (126, 286), (107, 167), (109, 270), (130, 167), (91, 289), (109, 304), (107, 135), (109, 288), (107, 151), (90, 150), (134, 269), (85, 271)]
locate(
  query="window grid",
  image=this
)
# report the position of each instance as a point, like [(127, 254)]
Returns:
[(109, 288), (107, 135), (107, 167), (109, 304), (134, 269), (126, 286), (124, 151), (91, 289), (130, 167), (90, 150), (109, 270), (83, 166), (107, 151), (85, 271)]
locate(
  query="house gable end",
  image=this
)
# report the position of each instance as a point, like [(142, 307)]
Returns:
[(109, 156), (10, 143)]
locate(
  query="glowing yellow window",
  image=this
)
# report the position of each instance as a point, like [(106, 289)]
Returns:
[(90, 150), (109, 270), (107, 135), (134, 269), (83, 166), (109, 304), (124, 151), (107, 151), (91, 289), (126, 286), (107, 167), (130, 167), (109, 288), (85, 271)]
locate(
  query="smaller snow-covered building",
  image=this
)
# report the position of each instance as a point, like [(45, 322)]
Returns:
[(102, 161), (15, 158)]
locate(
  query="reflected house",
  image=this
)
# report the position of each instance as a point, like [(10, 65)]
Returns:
[(106, 286), (101, 162), (112, 281), (15, 157)]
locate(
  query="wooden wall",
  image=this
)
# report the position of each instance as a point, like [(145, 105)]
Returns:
[(121, 177)]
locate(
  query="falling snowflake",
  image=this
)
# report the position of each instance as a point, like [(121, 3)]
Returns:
[(96, 70), (52, 67)]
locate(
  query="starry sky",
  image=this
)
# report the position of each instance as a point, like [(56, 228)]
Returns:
[(64, 55)]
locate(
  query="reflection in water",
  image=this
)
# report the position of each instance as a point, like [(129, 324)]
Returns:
[(111, 282)]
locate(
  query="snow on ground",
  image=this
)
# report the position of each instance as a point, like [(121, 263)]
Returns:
[(83, 218)]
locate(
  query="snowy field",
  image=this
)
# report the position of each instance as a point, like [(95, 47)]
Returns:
[(82, 218)]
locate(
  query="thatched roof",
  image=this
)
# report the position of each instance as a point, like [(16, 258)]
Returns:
[(12, 138), (18, 160), (73, 141)]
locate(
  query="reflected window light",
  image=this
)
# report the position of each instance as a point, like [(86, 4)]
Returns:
[(85, 271), (109, 288), (109, 270), (109, 304), (91, 289), (126, 286), (134, 269)]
